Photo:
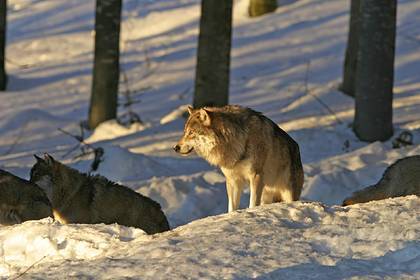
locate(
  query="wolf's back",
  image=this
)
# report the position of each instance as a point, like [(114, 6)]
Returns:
[(114, 203)]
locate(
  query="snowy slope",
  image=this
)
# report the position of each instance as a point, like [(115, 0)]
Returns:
[(301, 240), (274, 58)]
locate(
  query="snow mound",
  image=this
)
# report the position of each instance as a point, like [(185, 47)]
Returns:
[(299, 240), (187, 198), (27, 243), (119, 164), (175, 114), (112, 129), (33, 131)]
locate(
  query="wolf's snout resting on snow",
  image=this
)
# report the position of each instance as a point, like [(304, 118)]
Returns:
[(399, 179), (249, 148), (80, 198)]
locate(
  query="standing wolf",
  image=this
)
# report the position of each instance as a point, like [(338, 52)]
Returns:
[(399, 179), (21, 200), (80, 198), (248, 147)]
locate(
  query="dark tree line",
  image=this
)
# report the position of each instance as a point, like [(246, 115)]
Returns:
[(213, 54), (368, 71)]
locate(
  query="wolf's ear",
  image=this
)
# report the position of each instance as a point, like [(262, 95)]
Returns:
[(38, 159), (190, 110), (205, 117), (49, 159)]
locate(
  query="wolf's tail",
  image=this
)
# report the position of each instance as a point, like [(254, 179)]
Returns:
[(296, 171)]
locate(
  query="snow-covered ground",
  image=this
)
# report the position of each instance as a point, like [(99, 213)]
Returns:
[(49, 61), (282, 241)]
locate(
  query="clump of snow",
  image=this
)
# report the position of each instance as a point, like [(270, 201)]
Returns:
[(175, 114), (187, 198), (120, 164), (112, 129), (32, 241)]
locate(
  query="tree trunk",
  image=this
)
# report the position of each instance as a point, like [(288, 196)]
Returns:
[(106, 72), (260, 7), (375, 70), (350, 61), (213, 55), (3, 31)]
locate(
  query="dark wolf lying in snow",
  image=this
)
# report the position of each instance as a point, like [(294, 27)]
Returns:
[(399, 179), (80, 198), (21, 200)]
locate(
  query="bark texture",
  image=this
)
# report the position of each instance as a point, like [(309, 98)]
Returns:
[(3, 31), (106, 72), (213, 54), (350, 61), (375, 71)]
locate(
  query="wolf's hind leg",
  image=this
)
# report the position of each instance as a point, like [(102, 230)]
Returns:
[(267, 196), (234, 191), (286, 195), (256, 185)]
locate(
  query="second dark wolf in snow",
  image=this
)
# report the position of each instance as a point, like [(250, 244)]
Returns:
[(80, 198)]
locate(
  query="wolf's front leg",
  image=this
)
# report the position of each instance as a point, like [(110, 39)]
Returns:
[(234, 191), (256, 185)]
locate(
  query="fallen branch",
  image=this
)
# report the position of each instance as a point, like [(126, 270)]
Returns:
[(323, 104), (86, 149), (404, 139), (30, 267)]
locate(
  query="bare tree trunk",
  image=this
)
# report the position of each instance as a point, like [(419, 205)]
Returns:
[(213, 55), (106, 72), (350, 61), (260, 7), (3, 31), (375, 70)]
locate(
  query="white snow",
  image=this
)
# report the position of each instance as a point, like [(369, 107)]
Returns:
[(49, 63), (294, 241)]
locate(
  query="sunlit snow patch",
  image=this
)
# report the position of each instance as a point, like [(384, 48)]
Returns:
[(112, 129), (24, 244)]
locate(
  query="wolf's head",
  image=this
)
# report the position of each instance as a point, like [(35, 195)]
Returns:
[(42, 173), (198, 133)]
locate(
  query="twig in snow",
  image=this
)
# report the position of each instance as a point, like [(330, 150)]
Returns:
[(30, 267), (323, 104), (20, 66), (86, 149), (404, 139), (17, 139), (131, 116)]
